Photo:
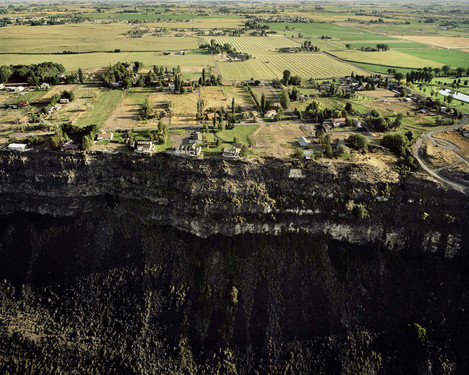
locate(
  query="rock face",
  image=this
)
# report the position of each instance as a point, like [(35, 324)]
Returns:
[(118, 264)]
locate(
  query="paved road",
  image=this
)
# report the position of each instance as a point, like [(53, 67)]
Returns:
[(447, 146)]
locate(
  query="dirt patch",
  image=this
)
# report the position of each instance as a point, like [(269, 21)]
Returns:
[(455, 137), (214, 97), (277, 140), (437, 157), (124, 116), (386, 102)]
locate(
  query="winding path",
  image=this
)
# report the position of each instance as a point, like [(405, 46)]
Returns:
[(446, 145)]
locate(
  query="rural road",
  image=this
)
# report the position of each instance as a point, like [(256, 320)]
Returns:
[(444, 145)]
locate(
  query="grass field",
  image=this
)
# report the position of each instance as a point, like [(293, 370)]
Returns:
[(241, 95), (393, 44), (102, 107), (227, 137), (97, 60), (214, 97), (306, 65), (83, 38), (442, 56), (381, 68), (388, 58), (254, 44), (329, 29)]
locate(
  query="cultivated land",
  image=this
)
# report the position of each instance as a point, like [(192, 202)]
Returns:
[(156, 35), (306, 65)]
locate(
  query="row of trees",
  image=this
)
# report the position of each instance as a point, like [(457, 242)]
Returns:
[(216, 48), (33, 74), (376, 121)]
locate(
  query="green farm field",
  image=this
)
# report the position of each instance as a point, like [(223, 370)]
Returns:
[(442, 56), (254, 44), (388, 58), (329, 29), (306, 65)]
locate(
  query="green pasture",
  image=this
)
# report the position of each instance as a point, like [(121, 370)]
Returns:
[(102, 107)]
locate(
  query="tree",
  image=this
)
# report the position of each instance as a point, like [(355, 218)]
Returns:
[(146, 109), (86, 142), (233, 104), (446, 69), (299, 153), (349, 108), (286, 77), (244, 150), (127, 83), (263, 105), (397, 143), (284, 99), (358, 142), (398, 76), (80, 76), (5, 73), (348, 46)]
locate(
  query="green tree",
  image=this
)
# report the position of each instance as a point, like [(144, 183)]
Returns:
[(86, 142), (286, 77), (146, 109), (358, 142), (5, 73), (80, 76), (244, 150), (284, 99), (299, 153), (398, 76)]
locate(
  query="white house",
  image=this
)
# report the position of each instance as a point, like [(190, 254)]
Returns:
[(144, 147), (271, 114), (18, 89), (64, 101)]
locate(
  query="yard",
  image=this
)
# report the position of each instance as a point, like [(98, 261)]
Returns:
[(100, 108)]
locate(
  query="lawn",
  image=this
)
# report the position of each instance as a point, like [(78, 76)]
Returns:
[(306, 65), (31, 96), (101, 109), (241, 95), (227, 137)]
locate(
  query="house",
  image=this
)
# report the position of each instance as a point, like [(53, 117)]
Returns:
[(231, 153), (105, 136), (144, 147), (179, 53), (44, 86), (189, 150), (64, 101), (17, 147), (18, 89), (308, 154), (171, 87), (115, 84), (271, 114), (195, 137), (2, 86), (303, 142), (337, 122), (70, 146), (188, 88)]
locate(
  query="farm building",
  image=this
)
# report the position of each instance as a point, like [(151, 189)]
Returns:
[(336, 122), (105, 136), (70, 146), (17, 147), (303, 142), (64, 101)]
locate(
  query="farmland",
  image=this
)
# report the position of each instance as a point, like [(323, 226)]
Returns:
[(101, 108), (306, 65), (85, 38), (388, 58)]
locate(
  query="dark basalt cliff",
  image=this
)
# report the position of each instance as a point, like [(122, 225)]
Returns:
[(124, 265)]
